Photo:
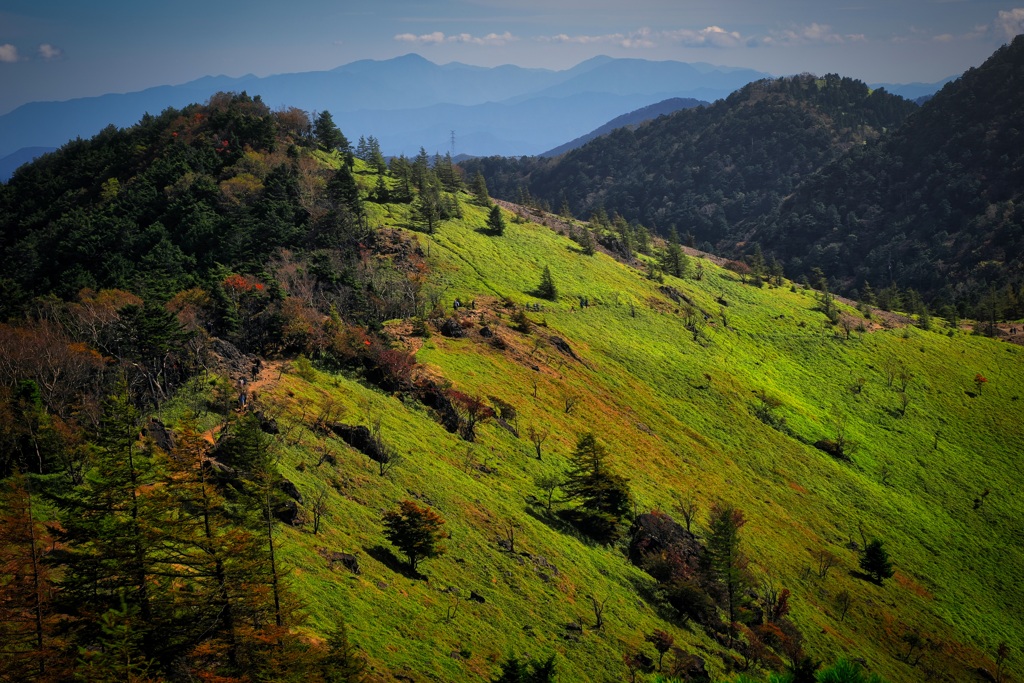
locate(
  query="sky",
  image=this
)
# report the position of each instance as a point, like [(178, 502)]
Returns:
[(62, 49)]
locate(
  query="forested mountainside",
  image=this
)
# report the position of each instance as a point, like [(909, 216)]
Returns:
[(822, 173), (704, 170), (272, 409), (936, 205)]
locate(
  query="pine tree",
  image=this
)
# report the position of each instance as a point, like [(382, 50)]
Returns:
[(725, 564), (420, 169), (547, 288), (327, 134), (343, 663), (27, 623), (381, 193), (479, 189), (375, 157), (427, 207), (106, 558), (495, 221), (875, 561), (674, 260), (216, 561), (603, 497), (587, 241)]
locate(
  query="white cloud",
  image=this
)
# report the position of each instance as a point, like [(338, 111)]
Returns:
[(712, 36), (435, 37), (1010, 23), (438, 37), (8, 53), (813, 33), (48, 52), (641, 38), (489, 39)]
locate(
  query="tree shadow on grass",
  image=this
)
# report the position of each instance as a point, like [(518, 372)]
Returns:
[(864, 577), (388, 558), (557, 523)]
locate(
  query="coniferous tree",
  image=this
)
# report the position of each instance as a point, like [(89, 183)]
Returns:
[(495, 221), (427, 208), (106, 559), (343, 663), (875, 561), (206, 546), (479, 189), (516, 670), (603, 496), (547, 288), (374, 156), (327, 133), (725, 565), (29, 648), (587, 241), (674, 260), (420, 169)]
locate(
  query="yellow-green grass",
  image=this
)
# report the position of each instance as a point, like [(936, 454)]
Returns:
[(677, 418)]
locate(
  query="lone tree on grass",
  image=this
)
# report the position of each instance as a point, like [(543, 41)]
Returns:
[(875, 561), (416, 531), (495, 221), (604, 497), (547, 289), (725, 564)]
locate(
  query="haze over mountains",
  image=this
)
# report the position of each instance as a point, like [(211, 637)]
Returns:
[(408, 102)]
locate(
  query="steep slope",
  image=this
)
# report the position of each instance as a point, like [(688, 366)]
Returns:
[(705, 390), (936, 205), (633, 118), (704, 170), (678, 417)]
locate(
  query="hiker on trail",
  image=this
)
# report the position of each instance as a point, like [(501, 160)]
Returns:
[(457, 304), (257, 365)]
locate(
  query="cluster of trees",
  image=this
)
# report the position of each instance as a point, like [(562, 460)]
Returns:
[(183, 200), (710, 583), (157, 564)]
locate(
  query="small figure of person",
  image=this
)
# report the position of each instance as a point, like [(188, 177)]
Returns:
[(457, 304)]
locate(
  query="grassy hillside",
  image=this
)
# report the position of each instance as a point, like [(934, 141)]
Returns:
[(678, 418)]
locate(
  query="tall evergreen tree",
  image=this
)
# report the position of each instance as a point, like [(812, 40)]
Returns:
[(427, 208), (725, 564), (106, 558), (479, 189), (603, 496), (327, 133), (495, 221), (28, 630), (875, 561), (547, 288)]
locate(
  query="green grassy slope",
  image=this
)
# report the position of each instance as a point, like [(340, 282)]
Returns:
[(677, 417)]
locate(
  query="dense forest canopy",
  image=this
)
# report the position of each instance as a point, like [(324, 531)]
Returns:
[(823, 173), (935, 205), (703, 170)]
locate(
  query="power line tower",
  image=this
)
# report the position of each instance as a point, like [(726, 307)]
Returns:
[(453, 144)]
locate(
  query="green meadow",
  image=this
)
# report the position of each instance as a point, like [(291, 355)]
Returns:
[(932, 469)]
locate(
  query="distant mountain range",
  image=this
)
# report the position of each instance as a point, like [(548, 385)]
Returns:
[(633, 118), (408, 102)]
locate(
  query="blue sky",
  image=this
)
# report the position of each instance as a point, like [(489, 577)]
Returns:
[(59, 49)]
